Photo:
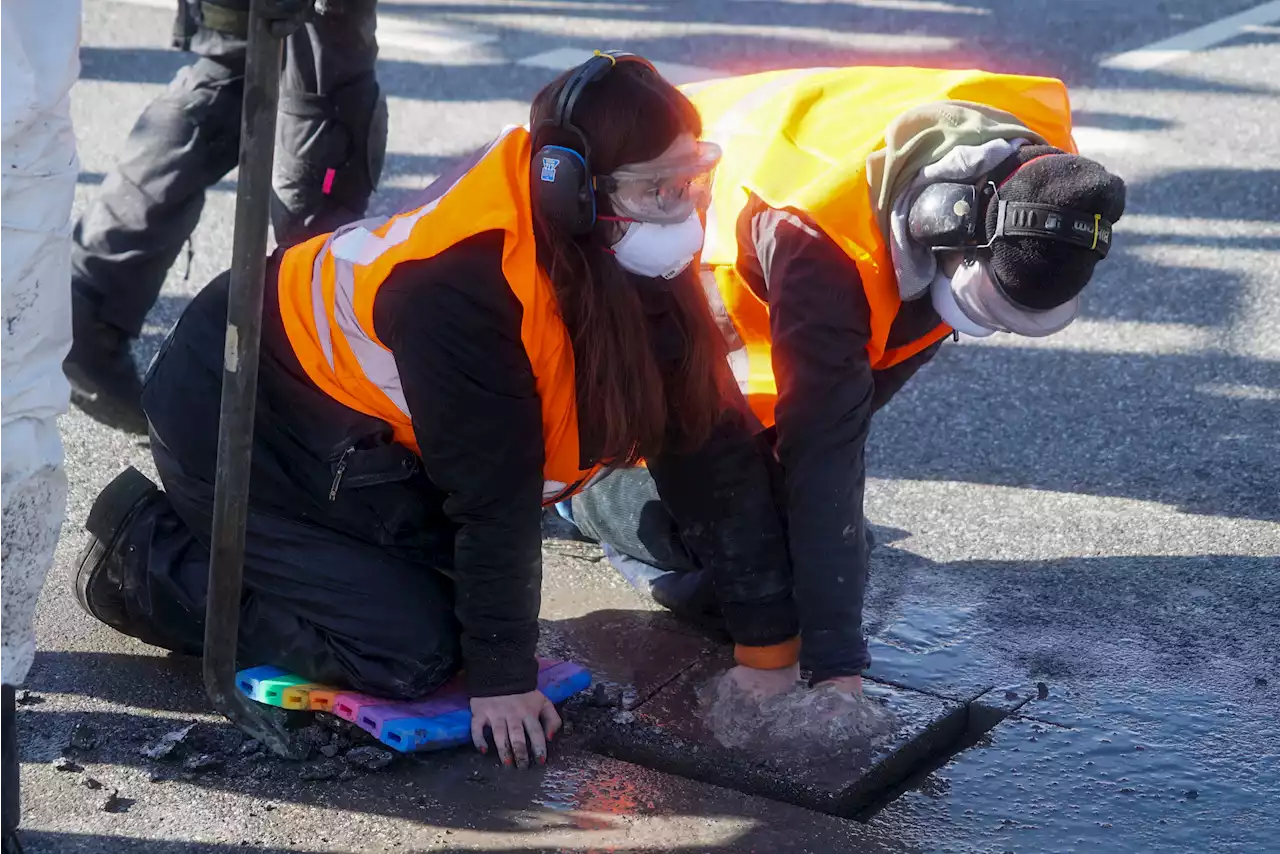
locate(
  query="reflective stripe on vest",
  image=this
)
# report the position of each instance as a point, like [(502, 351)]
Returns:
[(328, 285), (799, 140)]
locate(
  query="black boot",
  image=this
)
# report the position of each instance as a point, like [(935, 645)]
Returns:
[(104, 380), (99, 583), (9, 784)]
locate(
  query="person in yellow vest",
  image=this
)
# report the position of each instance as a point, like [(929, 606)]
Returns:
[(428, 383), (860, 216)]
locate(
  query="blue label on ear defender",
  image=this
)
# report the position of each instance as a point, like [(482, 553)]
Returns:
[(549, 165)]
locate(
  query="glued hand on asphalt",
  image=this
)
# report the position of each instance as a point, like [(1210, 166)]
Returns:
[(521, 724), (851, 685), (762, 684)]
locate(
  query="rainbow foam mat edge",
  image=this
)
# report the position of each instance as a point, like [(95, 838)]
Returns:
[(439, 720)]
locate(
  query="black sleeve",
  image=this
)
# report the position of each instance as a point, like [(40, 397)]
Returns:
[(889, 381), (721, 497), (454, 327), (820, 324)]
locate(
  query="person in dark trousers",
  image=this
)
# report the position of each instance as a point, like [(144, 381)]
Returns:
[(860, 217), (428, 383), (330, 143)]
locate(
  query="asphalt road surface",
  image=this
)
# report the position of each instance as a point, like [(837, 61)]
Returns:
[(1099, 511)]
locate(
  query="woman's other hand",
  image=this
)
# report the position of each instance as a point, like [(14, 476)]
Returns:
[(511, 718)]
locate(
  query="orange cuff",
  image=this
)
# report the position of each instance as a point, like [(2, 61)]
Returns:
[(774, 657)]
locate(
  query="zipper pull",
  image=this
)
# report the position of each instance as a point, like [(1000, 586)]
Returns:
[(337, 477)]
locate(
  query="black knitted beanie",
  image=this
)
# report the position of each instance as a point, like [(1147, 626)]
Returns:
[(1039, 273)]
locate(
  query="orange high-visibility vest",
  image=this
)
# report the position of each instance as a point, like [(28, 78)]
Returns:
[(328, 286), (799, 140)]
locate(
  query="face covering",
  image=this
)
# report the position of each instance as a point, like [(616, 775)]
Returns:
[(975, 292), (944, 302), (653, 250)]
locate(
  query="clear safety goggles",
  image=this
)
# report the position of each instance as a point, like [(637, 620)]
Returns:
[(666, 190)]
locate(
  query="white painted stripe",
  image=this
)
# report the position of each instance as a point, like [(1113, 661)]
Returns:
[(1092, 141), (1174, 227), (1180, 46), (1240, 392), (567, 57), (890, 5), (154, 4), (1133, 337), (393, 31), (420, 37)]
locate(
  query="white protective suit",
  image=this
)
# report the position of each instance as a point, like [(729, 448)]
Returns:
[(38, 64)]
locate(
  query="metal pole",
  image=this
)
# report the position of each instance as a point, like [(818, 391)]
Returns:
[(239, 391)]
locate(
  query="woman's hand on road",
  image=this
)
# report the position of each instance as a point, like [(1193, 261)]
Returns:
[(763, 684), (511, 718)]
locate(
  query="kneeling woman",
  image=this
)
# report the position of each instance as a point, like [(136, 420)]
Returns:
[(427, 383)]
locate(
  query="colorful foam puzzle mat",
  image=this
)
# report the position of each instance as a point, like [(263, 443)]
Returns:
[(439, 720)]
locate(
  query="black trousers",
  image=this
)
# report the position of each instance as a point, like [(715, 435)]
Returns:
[(319, 602), (9, 805), (330, 144)]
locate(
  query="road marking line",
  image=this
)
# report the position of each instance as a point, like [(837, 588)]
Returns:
[(411, 34), (567, 57), (1089, 139), (393, 31), (889, 5), (1173, 227), (1240, 392), (1180, 46), (1093, 141)]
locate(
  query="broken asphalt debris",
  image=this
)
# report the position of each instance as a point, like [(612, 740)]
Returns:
[(114, 803), (202, 762), (162, 747), (326, 770), (26, 698), (91, 783), (370, 758), (1042, 691), (63, 763), (313, 736), (605, 695), (83, 737)]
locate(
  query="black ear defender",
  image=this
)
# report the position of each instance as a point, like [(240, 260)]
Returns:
[(561, 183), (946, 216)]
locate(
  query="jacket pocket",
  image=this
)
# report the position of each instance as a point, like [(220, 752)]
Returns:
[(378, 480), (370, 461)]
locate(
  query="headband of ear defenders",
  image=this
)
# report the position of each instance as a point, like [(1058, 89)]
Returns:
[(562, 184), (583, 76), (946, 216)]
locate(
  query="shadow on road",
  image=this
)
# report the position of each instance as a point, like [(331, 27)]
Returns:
[(48, 842), (1195, 430)]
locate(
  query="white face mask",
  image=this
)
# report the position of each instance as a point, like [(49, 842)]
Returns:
[(653, 250), (944, 303)]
